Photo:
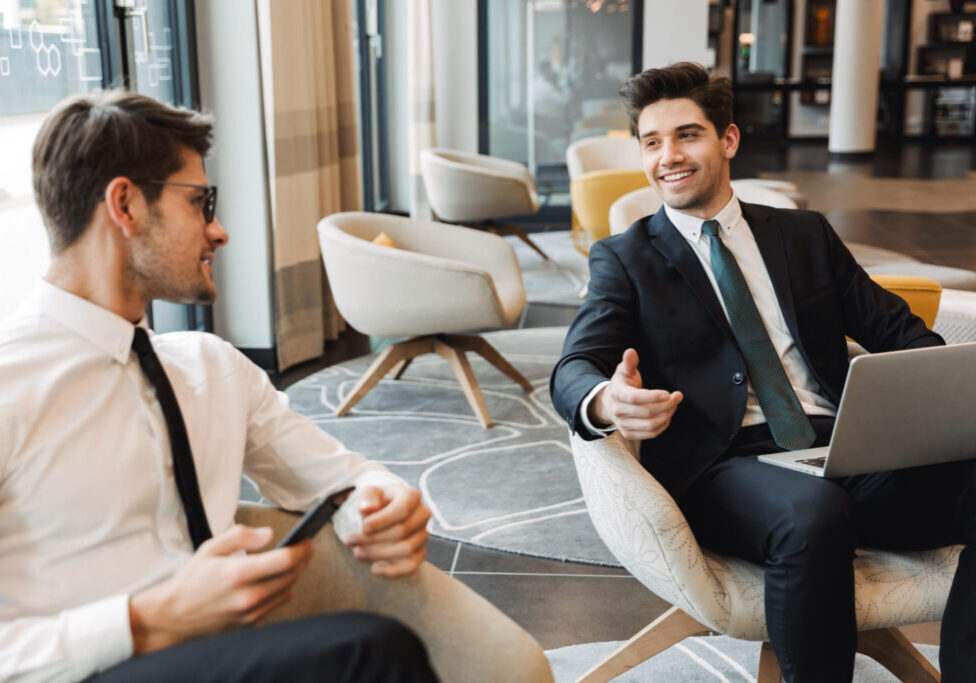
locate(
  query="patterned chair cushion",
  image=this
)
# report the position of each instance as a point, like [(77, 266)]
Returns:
[(646, 531)]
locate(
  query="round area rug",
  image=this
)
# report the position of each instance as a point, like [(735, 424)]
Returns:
[(511, 487), (708, 658)]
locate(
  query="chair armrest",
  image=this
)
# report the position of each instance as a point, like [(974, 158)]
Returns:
[(645, 530)]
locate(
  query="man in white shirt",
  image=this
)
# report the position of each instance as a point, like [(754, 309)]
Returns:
[(100, 573), (714, 331)]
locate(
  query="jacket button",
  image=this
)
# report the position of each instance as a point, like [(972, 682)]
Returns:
[(738, 378)]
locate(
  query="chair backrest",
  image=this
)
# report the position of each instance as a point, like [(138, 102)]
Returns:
[(631, 207), (468, 188), (921, 294), (602, 152), (593, 194), (758, 194), (645, 201), (439, 278)]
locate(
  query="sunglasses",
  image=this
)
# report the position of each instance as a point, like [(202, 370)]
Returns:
[(209, 202)]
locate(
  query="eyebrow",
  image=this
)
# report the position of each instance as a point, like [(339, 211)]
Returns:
[(686, 126)]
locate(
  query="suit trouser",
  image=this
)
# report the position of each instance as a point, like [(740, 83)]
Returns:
[(805, 529)]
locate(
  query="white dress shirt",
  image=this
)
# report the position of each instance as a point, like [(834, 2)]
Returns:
[(89, 509), (738, 238)]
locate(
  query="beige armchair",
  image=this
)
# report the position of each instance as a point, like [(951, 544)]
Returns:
[(476, 190), (438, 280), (468, 639), (646, 531)]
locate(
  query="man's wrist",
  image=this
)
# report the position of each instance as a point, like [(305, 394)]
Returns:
[(596, 411), (146, 637)]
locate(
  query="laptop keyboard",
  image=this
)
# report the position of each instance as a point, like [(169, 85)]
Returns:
[(820, 462)]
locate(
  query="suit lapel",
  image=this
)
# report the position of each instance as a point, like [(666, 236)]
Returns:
[(680, 256), (772, 248)]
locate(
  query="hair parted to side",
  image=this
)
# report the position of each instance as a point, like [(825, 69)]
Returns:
[(87, 140), (682, 79)]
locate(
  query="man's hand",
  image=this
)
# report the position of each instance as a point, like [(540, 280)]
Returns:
[(637, 412), (394, 534), (217, 590)]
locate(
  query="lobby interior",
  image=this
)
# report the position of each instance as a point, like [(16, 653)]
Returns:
[(501, 77)]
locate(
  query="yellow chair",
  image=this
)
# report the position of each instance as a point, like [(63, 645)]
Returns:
[(591, 195), (921, 294)]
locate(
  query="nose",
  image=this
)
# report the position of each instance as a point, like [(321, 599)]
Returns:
[(216, 234), (670, 152)]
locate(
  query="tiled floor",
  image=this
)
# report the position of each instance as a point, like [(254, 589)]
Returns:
[(566, 603)]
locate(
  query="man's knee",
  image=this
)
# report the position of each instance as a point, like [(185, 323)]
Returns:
[(819, 519)]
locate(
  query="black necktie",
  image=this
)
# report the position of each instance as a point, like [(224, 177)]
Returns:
[(183, 470), (788, 424)]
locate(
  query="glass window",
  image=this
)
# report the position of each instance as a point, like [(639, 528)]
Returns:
[(48, 50), (554, 71)]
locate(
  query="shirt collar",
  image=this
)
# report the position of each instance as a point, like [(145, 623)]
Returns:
[(690, 226), (102, 328)]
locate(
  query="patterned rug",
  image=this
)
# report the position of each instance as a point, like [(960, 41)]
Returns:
[(512, 487), (700, 659)]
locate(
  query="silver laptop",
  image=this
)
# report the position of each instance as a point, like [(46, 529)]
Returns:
[(899, 409)]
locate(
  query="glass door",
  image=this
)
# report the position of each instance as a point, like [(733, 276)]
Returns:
[(551, 73), (50, 49)]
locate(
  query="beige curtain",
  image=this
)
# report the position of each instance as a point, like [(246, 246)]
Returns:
[(309, 89), (420, 83)]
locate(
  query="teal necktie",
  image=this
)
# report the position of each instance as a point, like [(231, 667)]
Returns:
[(789, 425)]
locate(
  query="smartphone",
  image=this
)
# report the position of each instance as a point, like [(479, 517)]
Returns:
[(315, 518)]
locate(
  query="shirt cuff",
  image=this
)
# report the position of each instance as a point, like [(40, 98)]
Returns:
[(585, 409), (98, 635)]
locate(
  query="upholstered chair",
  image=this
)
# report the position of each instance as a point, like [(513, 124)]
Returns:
[(434, 283), (467, 639), (477, 190), (601, 168)]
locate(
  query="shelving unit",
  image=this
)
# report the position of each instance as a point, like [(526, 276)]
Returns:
[(938, 101)]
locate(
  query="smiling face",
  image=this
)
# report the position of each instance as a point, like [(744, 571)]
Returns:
[(684, 158), (171, 257)]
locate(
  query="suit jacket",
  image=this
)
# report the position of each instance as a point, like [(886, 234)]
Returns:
[(648, 290)]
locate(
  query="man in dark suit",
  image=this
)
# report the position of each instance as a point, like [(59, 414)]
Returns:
[(713, 331)]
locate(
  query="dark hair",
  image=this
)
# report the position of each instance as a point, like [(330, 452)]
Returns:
[(683, 79), (88, 140)]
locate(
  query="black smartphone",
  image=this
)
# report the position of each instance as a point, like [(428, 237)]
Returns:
[(315, 518)]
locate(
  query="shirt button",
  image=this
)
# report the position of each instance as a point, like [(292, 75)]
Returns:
[(738, 378)]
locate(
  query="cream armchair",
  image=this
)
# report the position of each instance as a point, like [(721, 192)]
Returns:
[(468, 640), (646, 531), (437, 280), (476, 190)]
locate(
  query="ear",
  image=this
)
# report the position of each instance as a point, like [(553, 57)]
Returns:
[(730, 140), (121, 197)]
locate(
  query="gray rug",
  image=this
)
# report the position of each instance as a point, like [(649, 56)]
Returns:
[(710, 658), (512, 487)]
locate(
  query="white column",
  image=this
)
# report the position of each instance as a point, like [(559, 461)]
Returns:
[(858, 28), (675, 32)]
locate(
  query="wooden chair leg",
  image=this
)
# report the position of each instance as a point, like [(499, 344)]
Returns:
[(769, 671), (890, 648), (400, 368), (512, 229), (479, 345), (462, 370), (671, 627), (389, 357)]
